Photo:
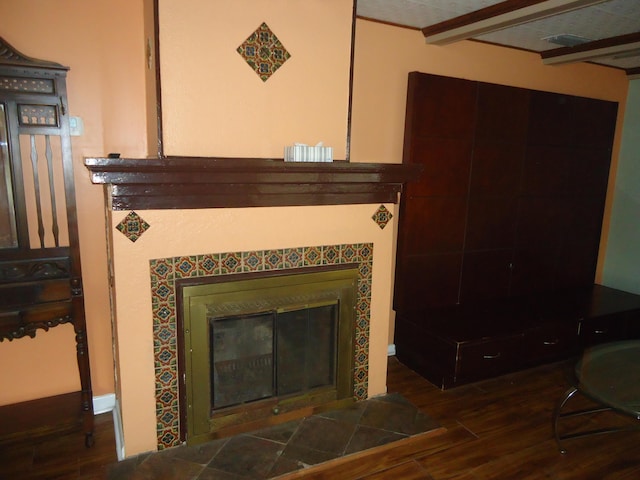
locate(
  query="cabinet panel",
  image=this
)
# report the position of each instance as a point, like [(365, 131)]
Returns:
[(485, 275), (497, 169), (428, 280), (447, 165), (491, 223), (589, 171), (433, 224), (541, 222), (547, 170), (532, 168), (502, 114), (551, 119), (534, 269), (594, 122), (449, 101)]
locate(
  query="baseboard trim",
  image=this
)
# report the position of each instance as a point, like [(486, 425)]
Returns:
[(104, 403), (391, 350), (117, 427)]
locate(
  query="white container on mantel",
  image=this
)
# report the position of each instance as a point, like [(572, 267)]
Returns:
[(305, 153)]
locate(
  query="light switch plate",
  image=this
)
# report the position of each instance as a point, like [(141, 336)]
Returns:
[(76, 126)]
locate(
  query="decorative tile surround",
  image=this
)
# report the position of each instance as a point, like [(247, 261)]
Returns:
[(263, 52), (165, 271)]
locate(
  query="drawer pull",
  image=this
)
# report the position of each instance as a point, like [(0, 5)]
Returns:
[(600, 331), (549, 343), (491, 357)]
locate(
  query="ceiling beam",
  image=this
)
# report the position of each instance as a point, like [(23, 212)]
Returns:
[(623, 45), (633, 73), (497, 17)]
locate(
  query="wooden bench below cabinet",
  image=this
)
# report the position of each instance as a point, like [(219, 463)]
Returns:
[(456, 345)]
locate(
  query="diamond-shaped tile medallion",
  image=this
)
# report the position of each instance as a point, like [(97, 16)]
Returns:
[(263, 52), (382, 216), (133, 226)]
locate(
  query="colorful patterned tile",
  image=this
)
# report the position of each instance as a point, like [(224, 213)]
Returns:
[(164, 335), (364, 288), (312, 256), (161, 270), (382, 216), (164, 313), (166, 399), (252, 261), (162, 292), (263, 52), (133, 226), (366, 252), (365, 269), (349, 254), (331, 255), (168, 437), (167, 377), (166, 355), (186, 267), (273, 259), (293, 257), (230, 263), (208, 265), (361, 390)]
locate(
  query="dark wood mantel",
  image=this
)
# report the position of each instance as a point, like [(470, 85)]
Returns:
[(205, 182)]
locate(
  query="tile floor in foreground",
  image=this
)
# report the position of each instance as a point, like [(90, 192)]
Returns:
[(285, 448)]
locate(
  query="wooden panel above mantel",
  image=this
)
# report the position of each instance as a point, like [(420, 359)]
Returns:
[(204, 182)]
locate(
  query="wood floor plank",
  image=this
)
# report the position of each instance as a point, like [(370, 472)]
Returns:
[(406, 471), (498, 429)]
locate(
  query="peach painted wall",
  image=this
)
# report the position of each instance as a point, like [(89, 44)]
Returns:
[(215, 105), (102, 42), (384, 55)]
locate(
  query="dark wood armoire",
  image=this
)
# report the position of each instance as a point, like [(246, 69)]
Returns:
[(40, 274), (498, 241)]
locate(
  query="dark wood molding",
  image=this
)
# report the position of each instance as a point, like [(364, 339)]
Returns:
[(206, 182), (501, 15), (633, 71), (622, 42)]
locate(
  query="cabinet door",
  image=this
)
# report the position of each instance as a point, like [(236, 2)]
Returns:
[(511, 198), (439, 129)]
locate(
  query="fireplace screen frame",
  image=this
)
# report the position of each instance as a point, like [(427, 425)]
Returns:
[(255, 293)]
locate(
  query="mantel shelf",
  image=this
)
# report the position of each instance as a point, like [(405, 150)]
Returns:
[(206, 182)]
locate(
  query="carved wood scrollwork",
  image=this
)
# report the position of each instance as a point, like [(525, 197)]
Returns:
[(28, 329), (28, 270)]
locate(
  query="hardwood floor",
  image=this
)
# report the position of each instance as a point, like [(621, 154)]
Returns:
[(496, 429)]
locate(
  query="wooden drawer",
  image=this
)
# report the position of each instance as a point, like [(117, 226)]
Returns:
[(549, 342), (487, 358), (607, 328)]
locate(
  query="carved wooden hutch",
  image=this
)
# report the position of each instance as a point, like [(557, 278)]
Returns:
[(40, 276)]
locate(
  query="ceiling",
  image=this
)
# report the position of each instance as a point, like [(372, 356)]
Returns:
[(608, 31)]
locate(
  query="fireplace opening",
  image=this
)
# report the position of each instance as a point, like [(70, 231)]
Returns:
[(272, 354), (258, 349)]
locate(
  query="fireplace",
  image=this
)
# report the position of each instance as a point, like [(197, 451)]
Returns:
[(171, 274), (262, 347)]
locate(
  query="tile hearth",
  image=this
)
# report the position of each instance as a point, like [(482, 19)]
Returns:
[(286, 448)]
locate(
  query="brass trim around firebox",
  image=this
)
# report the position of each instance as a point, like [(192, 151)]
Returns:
[(245, 295)]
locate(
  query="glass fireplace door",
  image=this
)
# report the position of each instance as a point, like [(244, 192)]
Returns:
[(272, 354)]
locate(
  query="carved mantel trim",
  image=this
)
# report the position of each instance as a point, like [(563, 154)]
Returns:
[(208, 182)]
